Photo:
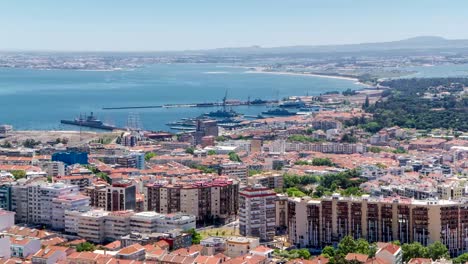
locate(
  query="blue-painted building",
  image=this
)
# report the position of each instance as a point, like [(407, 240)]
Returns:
[(70, 158)]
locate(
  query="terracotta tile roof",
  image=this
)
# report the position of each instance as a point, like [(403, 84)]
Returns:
[(113, 245), (49, 251), (316, 260), (420, 261), (358, 257), (262, 249), (131, 249)]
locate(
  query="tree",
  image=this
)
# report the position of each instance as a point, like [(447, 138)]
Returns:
[(437, 250), (328, 251), (6, 144), (302, 253), (462, 259), (85, 246), (190, 150), (104, 176), (294, 192), (234, 157), (30, 143), (211, 152), (18, 174), (149, 155), (366, 103), (322, 162), (196, 237), (414, 250), (346, 245)]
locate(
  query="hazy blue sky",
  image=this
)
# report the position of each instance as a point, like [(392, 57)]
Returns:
[(196, 24)]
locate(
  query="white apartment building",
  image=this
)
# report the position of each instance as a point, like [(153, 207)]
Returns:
[(33, 202), (91, 225), (118, 224), (257, 212), (53, 168), (7, 219), (63, 203), (236, 170), (152, 222)]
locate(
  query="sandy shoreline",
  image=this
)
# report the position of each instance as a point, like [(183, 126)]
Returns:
[(303, 74)]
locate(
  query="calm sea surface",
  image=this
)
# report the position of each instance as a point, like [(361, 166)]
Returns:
[(39, 99)]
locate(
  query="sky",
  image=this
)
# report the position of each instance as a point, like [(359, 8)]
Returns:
[(159, 25)]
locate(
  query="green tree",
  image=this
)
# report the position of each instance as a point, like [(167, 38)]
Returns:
[(211, 152), (6, 144), (196, 237), (104, 176), (234, 157), (366, 103), (85, 246), (302, 253), (328, 251), (346, 245), (322, 162), (437, 250), (462, 259), (414, 250), (294, 192), (190, 150), (30, 143), (149, 155), (18, 174)]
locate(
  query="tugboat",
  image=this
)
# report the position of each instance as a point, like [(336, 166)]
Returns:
[(278, 112), (89, 121)]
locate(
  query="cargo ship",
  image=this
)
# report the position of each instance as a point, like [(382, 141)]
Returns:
[(89, 121)]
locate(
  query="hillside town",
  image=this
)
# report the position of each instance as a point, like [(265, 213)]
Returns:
[(331, 186)]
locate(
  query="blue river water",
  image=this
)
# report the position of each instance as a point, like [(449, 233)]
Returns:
[(38, 99)]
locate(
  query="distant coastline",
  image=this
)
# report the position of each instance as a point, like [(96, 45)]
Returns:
[(330, 76)]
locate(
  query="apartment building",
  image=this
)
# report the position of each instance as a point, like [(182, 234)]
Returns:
[(91, 225), (63, 203), (82, 181), (318, 223), (152, 222), (210, 200), (235, 170), (33, 203), (267, 179), (117, 224), (257, 212), (116, 197), (330, 147), (53, 168)]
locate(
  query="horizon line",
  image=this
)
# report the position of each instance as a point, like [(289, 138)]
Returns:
[(213, 49)]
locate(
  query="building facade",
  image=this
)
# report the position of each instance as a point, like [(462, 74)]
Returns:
[(257, 212), (318, 223)]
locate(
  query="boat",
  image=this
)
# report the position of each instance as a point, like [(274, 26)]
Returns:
[(258, 102), (292, 104), (205, 105), (223, 113), (278, 112), (89, 121)]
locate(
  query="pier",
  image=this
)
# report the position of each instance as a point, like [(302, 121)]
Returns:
[(187, 105)]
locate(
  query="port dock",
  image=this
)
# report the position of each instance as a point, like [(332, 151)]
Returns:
[(188, 105)]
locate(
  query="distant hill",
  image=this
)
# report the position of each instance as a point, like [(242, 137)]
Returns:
[(416, 43)]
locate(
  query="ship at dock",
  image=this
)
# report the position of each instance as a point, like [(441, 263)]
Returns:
[(278, 112), (223, 113), (88, 121)]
